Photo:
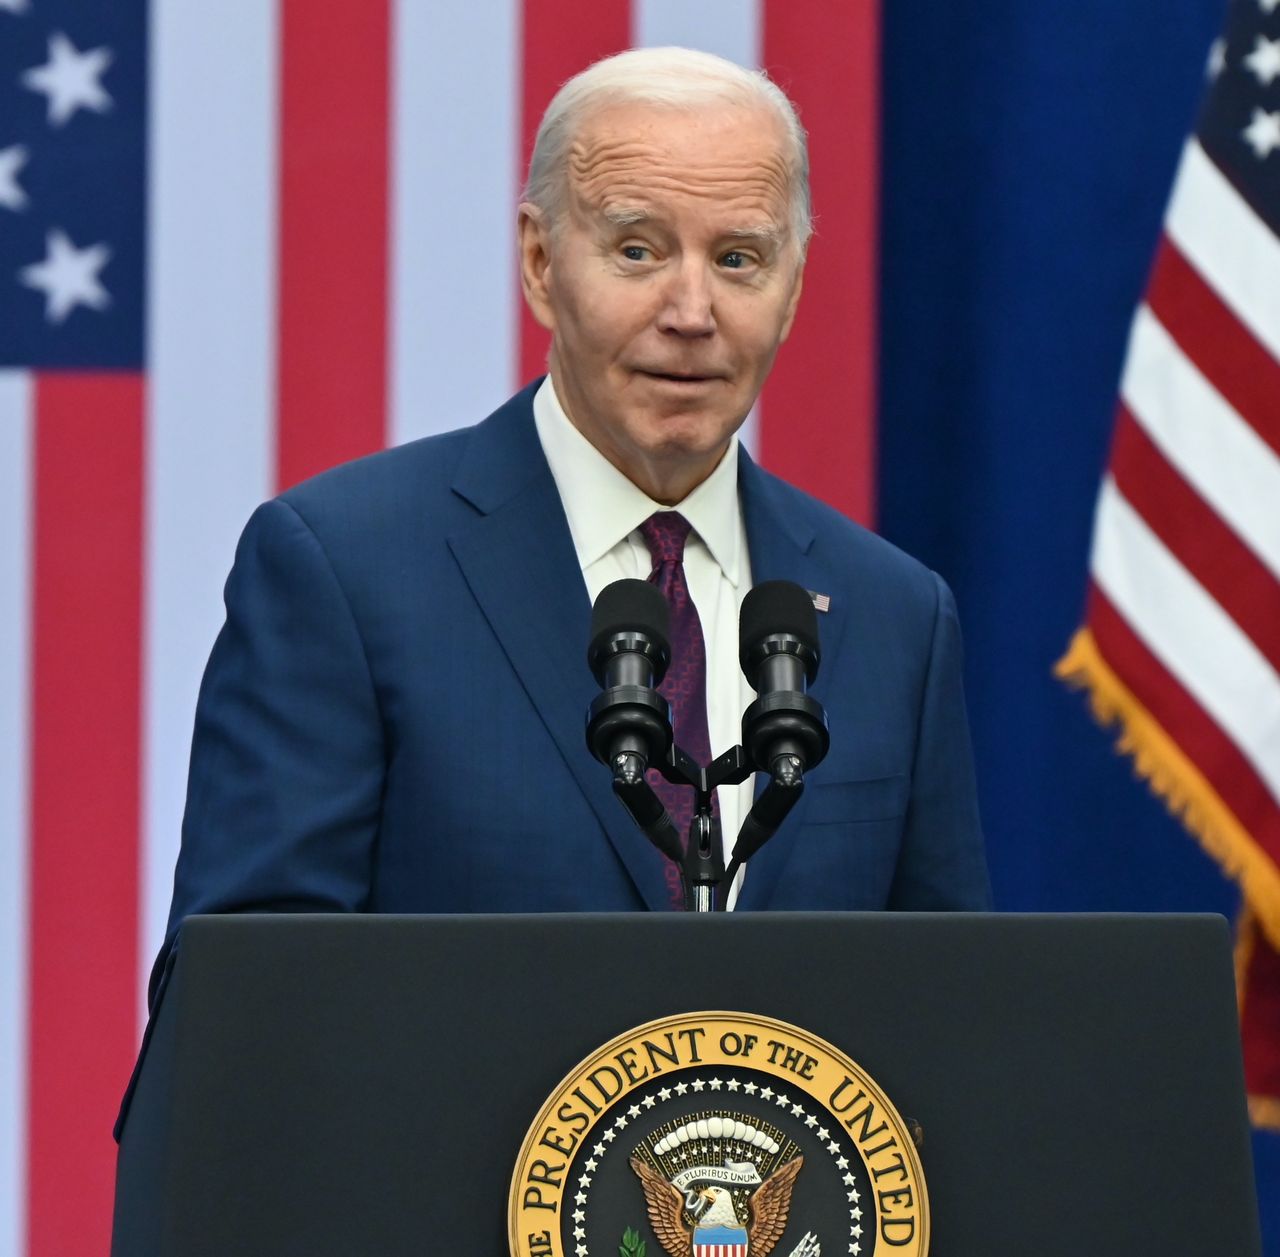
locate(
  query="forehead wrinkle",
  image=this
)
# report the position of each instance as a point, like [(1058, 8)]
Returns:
[(625, 201), (607, 169)]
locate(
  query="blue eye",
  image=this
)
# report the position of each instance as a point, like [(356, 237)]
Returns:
[(634, 252), (734, 260)]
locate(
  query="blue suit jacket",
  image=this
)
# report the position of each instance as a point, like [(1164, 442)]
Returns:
[(392, 718)]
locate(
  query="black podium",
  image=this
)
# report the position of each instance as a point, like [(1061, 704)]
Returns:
[(327, 1085)]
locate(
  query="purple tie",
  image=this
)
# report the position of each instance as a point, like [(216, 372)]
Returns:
[(685, 685)]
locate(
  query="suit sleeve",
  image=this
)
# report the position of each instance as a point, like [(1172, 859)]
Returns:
[(942, 863), (287, 759)]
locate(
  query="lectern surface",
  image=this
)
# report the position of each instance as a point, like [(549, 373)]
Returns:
[(361, 1085)]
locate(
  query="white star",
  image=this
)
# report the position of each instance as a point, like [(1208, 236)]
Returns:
[(581, 1198), (610, 1136), (849, 1180), (664, 1094), (68, 277), (648, 1102), (797, 1111), (681, 1088), (1264, 60), (767, 1093), (12, 159), (781, 1101), (715, 1084), (634, 1111), (698, 1084), (70, 79), (825, 1135), (598, 1150), (579, 1216), (751, 1089), (1217, 58), (833, 1147), (810, 1121), (733, 1084), (842, 1163), (1263, 132), (590, 1167)]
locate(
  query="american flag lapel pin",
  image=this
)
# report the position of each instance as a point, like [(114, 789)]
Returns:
[(821, 602)]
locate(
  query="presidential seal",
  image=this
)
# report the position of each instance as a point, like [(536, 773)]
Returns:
[(718, 1135)]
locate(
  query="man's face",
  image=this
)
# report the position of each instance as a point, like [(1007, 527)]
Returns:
[(668, 285)]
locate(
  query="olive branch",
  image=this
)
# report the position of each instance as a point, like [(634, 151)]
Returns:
[(632, 1245)]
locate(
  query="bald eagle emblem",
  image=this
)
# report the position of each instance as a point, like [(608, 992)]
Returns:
[(740, 1215)]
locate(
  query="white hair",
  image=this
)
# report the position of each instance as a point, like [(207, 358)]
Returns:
[(676, 78)]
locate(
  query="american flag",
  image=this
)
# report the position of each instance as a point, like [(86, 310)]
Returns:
[(1181, 642), (239, 242)]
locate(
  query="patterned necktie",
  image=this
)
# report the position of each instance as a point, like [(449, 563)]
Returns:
[(685, 685)]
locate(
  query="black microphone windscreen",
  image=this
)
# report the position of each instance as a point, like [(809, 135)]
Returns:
[(776, 606), (631, 606)]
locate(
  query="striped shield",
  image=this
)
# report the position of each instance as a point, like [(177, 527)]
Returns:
[(719, 1241)]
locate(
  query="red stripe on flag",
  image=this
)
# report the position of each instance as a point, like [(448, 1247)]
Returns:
[(1224, 350), (1183, 719), (818, 414), (332, 331), (1223, 565), (559, 37), (86, 676)]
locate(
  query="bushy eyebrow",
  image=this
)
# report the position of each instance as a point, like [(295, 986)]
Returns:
[(622, 216)]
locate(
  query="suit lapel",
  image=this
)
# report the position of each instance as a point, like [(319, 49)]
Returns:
[(518, 560), (780, 538)]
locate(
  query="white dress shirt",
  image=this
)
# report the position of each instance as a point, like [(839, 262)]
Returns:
[(605, 511)]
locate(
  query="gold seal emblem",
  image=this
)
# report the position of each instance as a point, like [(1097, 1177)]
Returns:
[(718, 1134)]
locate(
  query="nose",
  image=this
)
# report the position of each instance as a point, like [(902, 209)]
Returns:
[(686, 310)]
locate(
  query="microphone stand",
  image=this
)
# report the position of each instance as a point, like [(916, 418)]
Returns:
[(702, 867)]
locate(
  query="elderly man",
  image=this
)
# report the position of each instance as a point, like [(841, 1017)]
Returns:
[(392, 717)]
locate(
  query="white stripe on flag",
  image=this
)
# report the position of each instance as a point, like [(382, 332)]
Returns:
[(1231, 247), (730, 29), (454, 190), (211, 343), (1189, 632), (16, 407), (1203, 436)]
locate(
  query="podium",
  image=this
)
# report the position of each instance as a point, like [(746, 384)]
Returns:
[(328, 1085)]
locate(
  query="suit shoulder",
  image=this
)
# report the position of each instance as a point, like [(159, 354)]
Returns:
[(854, 551), (414, 479), (385, 476)]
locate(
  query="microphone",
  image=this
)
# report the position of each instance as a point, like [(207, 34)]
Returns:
[(628, 655), (784, 731), (629, 723)]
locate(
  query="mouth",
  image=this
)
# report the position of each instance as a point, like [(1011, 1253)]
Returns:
[(685, 378)]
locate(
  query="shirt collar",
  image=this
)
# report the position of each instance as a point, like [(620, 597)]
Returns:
[(603, 506)]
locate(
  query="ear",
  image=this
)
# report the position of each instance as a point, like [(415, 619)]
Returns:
[(789, 317), (534, 238)]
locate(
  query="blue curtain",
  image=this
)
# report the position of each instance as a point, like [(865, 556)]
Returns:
[(1029, 153)]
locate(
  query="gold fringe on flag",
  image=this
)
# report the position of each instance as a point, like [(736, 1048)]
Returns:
[(1190, 797), (1264, 1111), (1176, 779)]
